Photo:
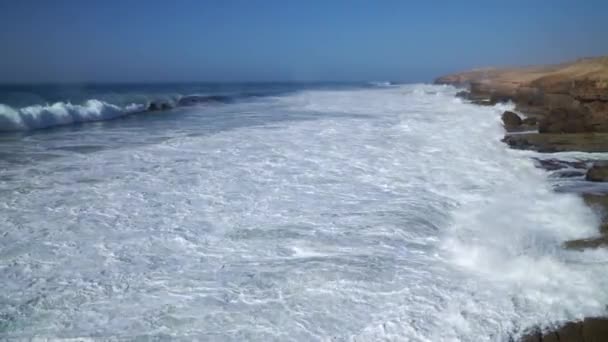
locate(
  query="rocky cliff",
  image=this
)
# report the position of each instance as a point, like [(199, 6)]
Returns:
[(566, 98)]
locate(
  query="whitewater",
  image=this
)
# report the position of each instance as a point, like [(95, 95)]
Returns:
[(365, 214)]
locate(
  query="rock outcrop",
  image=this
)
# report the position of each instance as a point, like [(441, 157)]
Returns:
[(557, 142), (529, 121), (511, 120), (591, 329), (567, 98), (598, 172), (568, 103)]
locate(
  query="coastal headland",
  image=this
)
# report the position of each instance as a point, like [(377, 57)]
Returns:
[(558, 108)]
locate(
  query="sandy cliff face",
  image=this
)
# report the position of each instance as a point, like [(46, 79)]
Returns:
[(567, 98)]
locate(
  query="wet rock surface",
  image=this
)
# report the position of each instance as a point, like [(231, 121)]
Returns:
[(531, 121), (562, 168), (598, 172), (591, 329), (511, 120), (589, 243), (554, 164), (548, 143)]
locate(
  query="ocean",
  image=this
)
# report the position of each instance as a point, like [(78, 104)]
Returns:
[(280, 212)]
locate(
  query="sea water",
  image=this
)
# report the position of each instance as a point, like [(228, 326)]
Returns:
[(368, 213)]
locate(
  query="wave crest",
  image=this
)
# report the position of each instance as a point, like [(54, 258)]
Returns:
[(61, 113), (381, 84), (66, 113)]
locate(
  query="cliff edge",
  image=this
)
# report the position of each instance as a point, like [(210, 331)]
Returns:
[(565, 98)]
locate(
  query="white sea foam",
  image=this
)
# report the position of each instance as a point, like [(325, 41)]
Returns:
[(364, 215), (381, 83)]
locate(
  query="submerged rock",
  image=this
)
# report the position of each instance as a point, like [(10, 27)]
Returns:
[(598, 172), (156, 106)]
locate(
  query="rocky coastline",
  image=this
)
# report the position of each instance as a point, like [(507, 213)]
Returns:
[(558, 108)]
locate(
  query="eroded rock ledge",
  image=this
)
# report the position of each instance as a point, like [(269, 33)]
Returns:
[(566, 98), (592, 329)]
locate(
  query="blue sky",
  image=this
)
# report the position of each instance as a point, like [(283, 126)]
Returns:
[(288, 40)]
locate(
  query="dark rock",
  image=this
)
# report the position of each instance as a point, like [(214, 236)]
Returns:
[(550, 337), (549, 142), (576, 118), (156, 106), (595, 330), (550, 164), (563, 169), (570, 174), (153, 106), (591, 329), (529, 121), (483, 93), (533, 336), (560, 101), (528, 96), (556, 164), (581, 244), (596, 119), (499, 98), (604, 228), (571, 331), (511, 120), (598, 172), (563, 121), (521, 142), (463, 94)]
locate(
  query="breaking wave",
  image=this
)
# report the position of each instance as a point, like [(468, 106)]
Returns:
[(381, 84), (60, 113), (67, 113)]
